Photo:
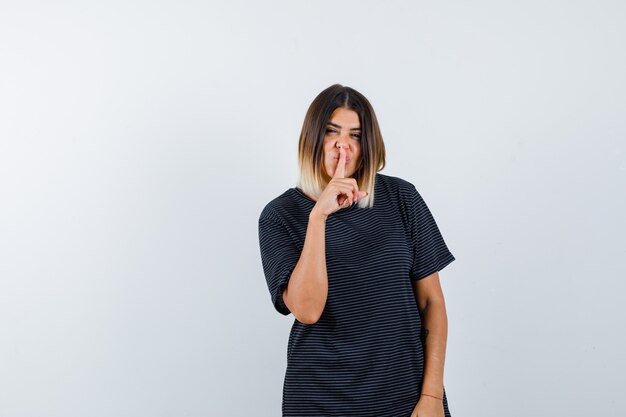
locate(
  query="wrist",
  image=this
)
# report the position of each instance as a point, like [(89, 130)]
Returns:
[(432, 388), (315, 215), (433, 397)]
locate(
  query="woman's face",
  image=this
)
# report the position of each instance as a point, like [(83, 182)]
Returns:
[(343, 129)]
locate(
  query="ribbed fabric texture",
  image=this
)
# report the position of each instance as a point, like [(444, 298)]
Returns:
[(364, 357)]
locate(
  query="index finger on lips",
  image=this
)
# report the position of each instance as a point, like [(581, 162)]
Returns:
[(340, 169)]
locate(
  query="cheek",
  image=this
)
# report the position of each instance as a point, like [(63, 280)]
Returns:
[(327, 163)]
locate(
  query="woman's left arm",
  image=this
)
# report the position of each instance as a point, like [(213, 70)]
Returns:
[(431, 304)]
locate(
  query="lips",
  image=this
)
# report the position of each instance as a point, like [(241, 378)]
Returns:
[(347, 159)]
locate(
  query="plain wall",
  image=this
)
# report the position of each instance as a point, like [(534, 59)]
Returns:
[(139, 142)]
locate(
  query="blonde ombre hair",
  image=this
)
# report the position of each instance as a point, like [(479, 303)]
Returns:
[(310, 146)]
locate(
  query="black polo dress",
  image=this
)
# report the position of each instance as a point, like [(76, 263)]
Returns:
[(365, 355)]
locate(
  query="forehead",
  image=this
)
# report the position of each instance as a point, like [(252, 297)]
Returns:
[(345, 118)]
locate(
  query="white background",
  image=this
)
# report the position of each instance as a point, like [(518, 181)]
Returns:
[(139, 142)]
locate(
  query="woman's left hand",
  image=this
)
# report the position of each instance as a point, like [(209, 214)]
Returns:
[(428, 407)]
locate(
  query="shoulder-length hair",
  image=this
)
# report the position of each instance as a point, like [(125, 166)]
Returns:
[(310, 147)]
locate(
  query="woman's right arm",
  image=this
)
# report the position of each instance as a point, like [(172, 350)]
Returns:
[(307, 290)]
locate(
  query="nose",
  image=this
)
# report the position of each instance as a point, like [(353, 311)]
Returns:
[(343, 145), (342, 141)]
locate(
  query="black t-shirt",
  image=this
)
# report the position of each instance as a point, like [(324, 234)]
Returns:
[(364, 356)]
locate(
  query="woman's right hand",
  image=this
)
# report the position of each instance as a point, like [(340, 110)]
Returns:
[(340, 192)]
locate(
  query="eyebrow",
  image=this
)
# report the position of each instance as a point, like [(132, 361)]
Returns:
[(337, 126)]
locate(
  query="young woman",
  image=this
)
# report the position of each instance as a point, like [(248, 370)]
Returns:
[(354, 255)]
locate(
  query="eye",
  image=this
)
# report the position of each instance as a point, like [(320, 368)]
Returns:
[(330, 131), (357, 135)]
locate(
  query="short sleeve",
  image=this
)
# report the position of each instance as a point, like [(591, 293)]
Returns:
[(279, 256), (430, 252)]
